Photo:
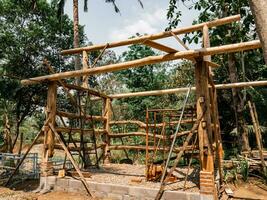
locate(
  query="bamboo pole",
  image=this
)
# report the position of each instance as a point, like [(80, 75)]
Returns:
[(71, 159), (217, 22), (145, 61), (183, 90)]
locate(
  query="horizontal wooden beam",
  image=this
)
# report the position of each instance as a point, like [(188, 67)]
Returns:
[(90, 91), (150, 148), (77, 116), (145, 61), (142, 39), (78, 130), (185, 89), (159, 46)]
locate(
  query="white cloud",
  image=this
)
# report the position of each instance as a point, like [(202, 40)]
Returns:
[(148, 22)]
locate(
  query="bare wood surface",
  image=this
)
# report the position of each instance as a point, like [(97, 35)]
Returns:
[(217, 22), (71, 159), (145, 61)]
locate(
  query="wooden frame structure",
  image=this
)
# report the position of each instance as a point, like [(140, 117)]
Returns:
[(207, 128)]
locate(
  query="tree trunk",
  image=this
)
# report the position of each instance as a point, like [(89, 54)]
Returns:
[(259, 11), (238, 101), (16, 133), (7, 147), (76, 35)]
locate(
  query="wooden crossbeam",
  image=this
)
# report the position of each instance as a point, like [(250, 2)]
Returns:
[(197, 27), (90, 91), (159, 46), (183, 90), (77, 116), (148, 60)]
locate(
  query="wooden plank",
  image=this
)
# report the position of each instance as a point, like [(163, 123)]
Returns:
[(71, 159), (146, 61), (150, 148), (216, 22)]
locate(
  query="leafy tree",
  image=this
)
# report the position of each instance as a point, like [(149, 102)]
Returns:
[(28, 35), (148, 77), (232, 65)]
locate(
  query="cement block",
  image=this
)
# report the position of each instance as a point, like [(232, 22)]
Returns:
[(119, 189), (62, 184), (194, 196), (115, 196), (206, 197), (143, 192), (174, 195), (103, 188)]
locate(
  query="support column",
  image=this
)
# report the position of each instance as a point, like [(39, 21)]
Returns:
[(49, 137), (207, 183), (47, 180), (108, 114)]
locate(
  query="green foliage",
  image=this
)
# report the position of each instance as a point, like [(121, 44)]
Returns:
[(29, 34)]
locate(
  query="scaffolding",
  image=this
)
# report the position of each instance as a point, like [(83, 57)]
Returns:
[(158, 131)]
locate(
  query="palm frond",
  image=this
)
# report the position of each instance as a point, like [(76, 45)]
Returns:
[(141, 3), (85, 5), (60, 8), (117, 10)]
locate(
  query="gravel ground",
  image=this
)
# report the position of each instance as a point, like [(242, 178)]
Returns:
[(128, 174)]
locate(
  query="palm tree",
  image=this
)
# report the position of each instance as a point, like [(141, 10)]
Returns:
[(61, 4), (259, 11)]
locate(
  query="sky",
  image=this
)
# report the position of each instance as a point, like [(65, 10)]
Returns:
[(103, 25)]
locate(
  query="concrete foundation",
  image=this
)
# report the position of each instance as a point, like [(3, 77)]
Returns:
[(124, 192)]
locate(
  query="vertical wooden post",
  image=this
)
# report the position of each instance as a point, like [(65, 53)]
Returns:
[(85, 66), (108, 115), (202, 74), (49, 137), (204, 129), (256, 127)]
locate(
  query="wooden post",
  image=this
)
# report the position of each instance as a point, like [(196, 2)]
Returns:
[(108, 114), (204, 129), (85, 66), (49, 137), (256, 127)]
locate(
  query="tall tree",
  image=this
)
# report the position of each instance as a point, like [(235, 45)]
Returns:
[(28, 35), (228, 34), (76, 44), (259, 10)]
